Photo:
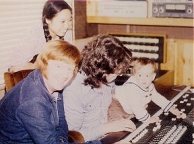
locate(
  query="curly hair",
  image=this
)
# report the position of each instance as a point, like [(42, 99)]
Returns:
[(104, 55)]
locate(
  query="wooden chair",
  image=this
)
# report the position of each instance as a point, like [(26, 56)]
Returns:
[(11, 79)]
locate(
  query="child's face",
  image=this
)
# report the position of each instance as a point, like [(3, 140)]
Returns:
[(145, 76)]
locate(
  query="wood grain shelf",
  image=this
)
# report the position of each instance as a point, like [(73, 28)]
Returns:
[(179, 22)]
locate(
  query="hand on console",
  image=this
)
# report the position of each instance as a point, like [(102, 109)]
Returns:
[(177, 113), (153, 119)]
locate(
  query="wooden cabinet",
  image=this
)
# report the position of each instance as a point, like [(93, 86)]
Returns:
[(180, 58), (167, 78), (179, 53)]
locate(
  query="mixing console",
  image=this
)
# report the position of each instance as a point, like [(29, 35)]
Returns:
[(169, 129)]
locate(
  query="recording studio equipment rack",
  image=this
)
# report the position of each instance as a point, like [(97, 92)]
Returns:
[(152, 46)]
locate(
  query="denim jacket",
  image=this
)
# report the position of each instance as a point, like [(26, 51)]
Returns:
[(30, 114)]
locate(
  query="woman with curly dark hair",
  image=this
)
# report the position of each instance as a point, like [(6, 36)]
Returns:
[(88, 97)]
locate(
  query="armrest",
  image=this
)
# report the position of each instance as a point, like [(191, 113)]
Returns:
[(75, 136), (11, 79)]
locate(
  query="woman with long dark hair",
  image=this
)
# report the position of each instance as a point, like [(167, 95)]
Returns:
[(56, 24)]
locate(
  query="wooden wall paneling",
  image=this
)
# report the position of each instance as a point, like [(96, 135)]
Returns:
[(171, 32), (113, 28), (188, 67), (180, 58), (184, 63), (170, 55)]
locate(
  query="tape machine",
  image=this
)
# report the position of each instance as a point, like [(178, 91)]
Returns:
[(173, 8)]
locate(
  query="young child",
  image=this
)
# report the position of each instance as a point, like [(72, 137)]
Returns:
[(135, 94)]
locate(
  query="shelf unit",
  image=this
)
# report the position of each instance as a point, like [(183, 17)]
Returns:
[(179, 22), (179, 58), (93, 17)]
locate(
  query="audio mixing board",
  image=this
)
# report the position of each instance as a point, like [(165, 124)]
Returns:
[(169, 129)]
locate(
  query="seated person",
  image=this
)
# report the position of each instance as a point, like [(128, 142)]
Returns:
[(135, 94), (89, 95), (32, 111), (56, 24)]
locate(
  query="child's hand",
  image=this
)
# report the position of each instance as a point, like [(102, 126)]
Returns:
[(177, 113), (153, 120), (146, 106)]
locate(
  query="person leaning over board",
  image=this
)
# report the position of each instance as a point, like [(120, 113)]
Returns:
[(88, 97)]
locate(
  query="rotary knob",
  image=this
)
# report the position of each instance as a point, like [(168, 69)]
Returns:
[(189, 10), (161, 9), (155, 9)]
